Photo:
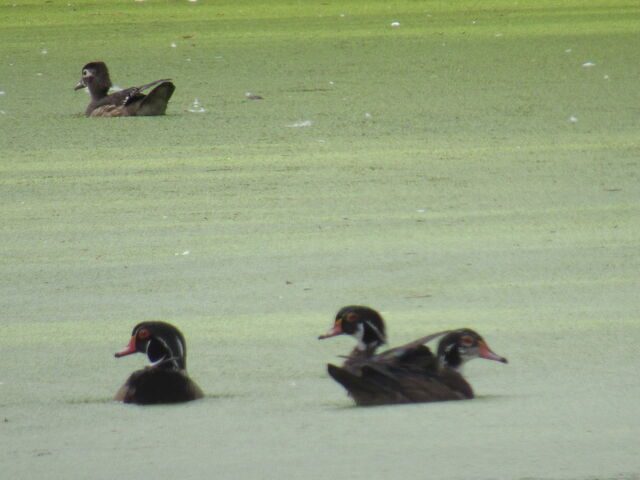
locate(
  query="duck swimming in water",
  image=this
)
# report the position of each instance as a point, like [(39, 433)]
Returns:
[(130, 102), (166, 380)]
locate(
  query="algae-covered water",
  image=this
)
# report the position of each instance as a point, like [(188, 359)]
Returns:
[(474, 165)]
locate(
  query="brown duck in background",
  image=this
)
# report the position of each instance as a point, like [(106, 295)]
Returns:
[(406, 374), (166, 380), (130, 102)]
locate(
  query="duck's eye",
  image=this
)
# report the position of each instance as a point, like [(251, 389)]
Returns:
[(143, 334), (466, 341), (85, 73), (352, 317)]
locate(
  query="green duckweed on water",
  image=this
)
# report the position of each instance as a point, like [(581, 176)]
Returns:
[(451, 164)]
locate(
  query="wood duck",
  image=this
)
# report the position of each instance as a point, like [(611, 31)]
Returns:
[(406, 374), (166, 380), (130, 102)]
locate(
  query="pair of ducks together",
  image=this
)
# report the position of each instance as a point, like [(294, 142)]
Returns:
[(406, 374)]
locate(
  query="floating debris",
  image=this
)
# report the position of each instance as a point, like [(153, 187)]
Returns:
[(303, 123), (395, 24), (568, 50), (197, 107), (173, 45), (589, 64), (44, 51), (573, 119), (251, 96)]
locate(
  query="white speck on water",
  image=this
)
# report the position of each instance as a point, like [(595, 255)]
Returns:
[(303, 123), (473, 22), (173, 45), (499, 34), (606, 77), (218, 58), (44, 51), (395, 24), (568, 50), (367, 115), (186, 252), (342, 15), (39, 74), (188, 59), (588, 64), (332, 83), (2, 112), (2, 92), (197, 107), (573, 119), (420, 210), (193, 1)]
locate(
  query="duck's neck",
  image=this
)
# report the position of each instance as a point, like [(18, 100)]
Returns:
[(167, 354), (363, 350), (99, 88), (451, 358), (171, 363)]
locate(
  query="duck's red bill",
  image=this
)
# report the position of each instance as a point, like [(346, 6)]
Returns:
[(486, 352), (336, 330), (131, 348)]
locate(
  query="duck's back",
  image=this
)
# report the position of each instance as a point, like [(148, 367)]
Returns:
[(410, 375), (158, 385)]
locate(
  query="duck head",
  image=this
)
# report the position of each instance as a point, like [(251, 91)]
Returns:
[(163, 344), (458, 347), (95, 76), (362, 323)]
